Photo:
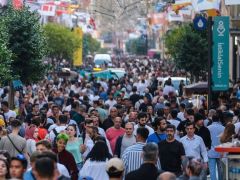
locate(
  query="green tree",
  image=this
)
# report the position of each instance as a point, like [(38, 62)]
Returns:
[(26, 43), (5, 56), (61, 41), (90, 45), (136, 46), (189, 49)]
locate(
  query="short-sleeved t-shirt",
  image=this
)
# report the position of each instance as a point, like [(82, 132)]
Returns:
[(170, 154), (19, 142)]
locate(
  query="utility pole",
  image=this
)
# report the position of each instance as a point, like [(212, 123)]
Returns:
[(210, 43)]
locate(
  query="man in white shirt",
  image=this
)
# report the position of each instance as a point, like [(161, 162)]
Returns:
[(142, 120), (111, 102), (56, 129), (194, 146), (174, 121), (7, 112)]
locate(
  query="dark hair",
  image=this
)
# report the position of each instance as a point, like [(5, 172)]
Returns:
[(190, 111), (171, 126), (189, 124), (45, 167), (143, 132), (75, 104), (45, 143), (157, 121), (5, 103), (7, 165), (6, 155), (63, 119), (88, 121), (55, 106), (21, 158), (35, 104), (36, 121), (174, 113), (74, 127), (182, 105), (142, 115), (195, 167), (48, 154), (198, 116), (99, 152)]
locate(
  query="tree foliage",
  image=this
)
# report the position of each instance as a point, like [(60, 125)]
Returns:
[(90, 45), (5, 55), (26, 43), (61, 41), (189, 49), (137, 46)]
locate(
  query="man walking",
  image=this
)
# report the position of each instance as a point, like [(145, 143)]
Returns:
[(171, 152), (194, 146), (114, 132), (148, 169), (132, 156), (13, 143), (125, 141)]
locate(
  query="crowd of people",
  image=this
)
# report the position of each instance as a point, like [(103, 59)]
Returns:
[(133, 128)]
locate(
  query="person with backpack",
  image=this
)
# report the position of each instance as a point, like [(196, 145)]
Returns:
[(58, 128)]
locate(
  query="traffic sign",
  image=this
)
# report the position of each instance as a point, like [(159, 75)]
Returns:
[(200, 23)]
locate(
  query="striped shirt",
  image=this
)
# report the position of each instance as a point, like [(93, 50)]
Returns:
[(132, 157)]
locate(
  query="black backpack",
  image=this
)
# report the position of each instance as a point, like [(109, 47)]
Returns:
[(55, 138)]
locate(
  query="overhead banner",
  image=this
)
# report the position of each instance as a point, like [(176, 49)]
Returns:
[(220, 68), (77, 56), (232, 2), (202, 5), (47, 10)]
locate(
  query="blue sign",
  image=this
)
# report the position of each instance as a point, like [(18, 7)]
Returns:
[(220, 68), (200, 23)]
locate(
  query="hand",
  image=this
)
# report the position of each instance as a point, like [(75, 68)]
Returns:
[(205, 165), (83, 148)]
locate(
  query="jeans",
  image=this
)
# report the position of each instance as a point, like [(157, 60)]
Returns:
[(213, 163)]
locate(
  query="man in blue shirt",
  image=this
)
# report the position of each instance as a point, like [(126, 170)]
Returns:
[(216, 128), (159, 135)]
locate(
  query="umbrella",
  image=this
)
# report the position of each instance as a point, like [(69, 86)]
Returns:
[(197, 88)]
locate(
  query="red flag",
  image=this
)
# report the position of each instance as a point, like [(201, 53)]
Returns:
[(17, 4)]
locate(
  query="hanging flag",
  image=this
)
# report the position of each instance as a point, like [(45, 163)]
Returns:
[(92, 23), (17, 4), (202, 5), (232, 2), (47, 10), (77, 56)]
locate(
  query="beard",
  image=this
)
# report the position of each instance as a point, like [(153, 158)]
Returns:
[(170, 137)]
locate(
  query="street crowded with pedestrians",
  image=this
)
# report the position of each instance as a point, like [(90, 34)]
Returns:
[(120, 90)]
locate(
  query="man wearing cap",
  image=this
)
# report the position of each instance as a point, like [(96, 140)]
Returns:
[(18, 166), (13, 143), (115, 169)]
